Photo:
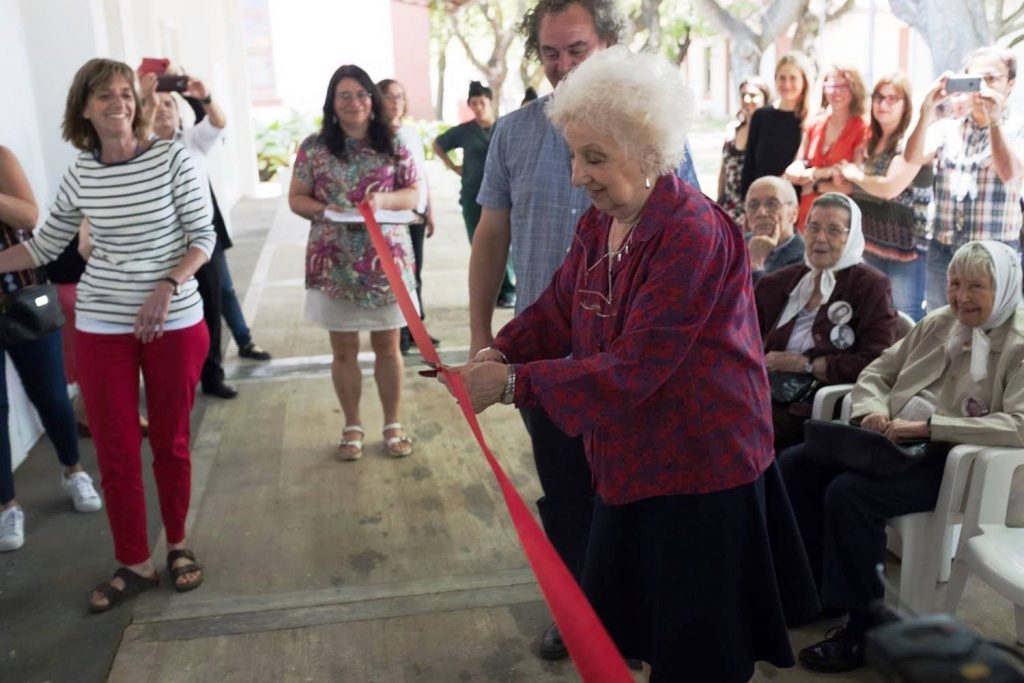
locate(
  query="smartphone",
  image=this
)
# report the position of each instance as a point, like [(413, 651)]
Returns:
[(171, 83), (154, 65), (963, 84)]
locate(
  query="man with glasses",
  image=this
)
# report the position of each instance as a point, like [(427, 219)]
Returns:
[(979, 163), (771, 211), (528, 201)]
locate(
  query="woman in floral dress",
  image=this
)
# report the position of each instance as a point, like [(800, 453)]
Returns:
[(754, 93), (356, 156)]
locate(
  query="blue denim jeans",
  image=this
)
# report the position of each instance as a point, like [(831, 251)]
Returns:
[(40, 365), (907, 282), (230, 308)]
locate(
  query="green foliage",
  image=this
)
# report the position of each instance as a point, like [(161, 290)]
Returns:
[(277, 141), (428, 131)]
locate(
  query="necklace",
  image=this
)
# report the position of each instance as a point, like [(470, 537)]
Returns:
[(623, 248)]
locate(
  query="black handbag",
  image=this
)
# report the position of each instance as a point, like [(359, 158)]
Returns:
[(33, 310), (792, 387), (29, 313), (848, 447)]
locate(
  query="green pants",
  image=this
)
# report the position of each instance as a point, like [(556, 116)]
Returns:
[(471, 215)]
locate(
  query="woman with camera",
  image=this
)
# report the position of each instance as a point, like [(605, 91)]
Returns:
[(40, 366), (137, 308)]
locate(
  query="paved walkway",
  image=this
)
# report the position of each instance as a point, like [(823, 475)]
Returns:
[(380, 570)]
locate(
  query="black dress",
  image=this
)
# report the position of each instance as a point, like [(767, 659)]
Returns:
[(772, 144), (701, 586)]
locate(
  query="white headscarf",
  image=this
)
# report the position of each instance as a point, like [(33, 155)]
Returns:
[(851, 256), (1007, 282)]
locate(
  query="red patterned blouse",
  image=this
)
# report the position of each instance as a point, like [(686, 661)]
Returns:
[(662, 372)]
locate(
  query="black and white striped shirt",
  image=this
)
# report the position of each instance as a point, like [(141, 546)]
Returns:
[(144, 214)]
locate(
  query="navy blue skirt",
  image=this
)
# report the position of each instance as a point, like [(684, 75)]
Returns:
[(701, 586)]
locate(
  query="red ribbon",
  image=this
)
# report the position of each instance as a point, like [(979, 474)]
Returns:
[(595, 655)]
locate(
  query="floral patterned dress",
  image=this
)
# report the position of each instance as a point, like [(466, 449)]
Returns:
[(341, 262), (732, 162)]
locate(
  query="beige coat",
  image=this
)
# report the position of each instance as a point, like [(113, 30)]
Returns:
[(916, 363)]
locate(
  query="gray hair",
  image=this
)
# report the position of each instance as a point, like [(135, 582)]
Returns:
[(972, 259), (782, 187), (640, 100), (609, 21), (833, 200)]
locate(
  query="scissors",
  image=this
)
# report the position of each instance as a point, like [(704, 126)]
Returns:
[(432, 372)]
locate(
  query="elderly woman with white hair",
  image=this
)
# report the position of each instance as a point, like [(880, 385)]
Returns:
[(646, 343), (822, 320), (957, 377)]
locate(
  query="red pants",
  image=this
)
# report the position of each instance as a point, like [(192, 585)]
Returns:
[(108, 374)]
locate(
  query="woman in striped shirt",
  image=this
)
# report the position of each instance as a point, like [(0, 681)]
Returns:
[(137, 308)]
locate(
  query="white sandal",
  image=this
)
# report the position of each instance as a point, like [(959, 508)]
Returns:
[(357, 444), (397, 446)]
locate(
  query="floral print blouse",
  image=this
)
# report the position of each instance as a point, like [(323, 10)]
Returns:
[(340, 258)]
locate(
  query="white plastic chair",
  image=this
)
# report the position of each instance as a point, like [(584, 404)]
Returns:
[(988, 548), (925, 542)]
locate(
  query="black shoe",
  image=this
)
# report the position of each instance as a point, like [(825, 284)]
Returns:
[(551, 645), (840, 651), (220, 390), (635, 664), (253, 352), (507, 301)]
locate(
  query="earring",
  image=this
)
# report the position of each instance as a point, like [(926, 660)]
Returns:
[(647, 183)]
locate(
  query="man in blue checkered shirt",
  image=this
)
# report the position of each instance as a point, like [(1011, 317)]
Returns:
[(529, 203)]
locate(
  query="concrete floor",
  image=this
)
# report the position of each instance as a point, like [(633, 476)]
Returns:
[(317, 570)]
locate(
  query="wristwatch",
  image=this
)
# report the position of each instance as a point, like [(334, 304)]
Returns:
[(207, 100), (809, 368), (174, 283), (508, 396)]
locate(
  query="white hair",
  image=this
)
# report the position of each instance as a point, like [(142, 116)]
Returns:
[(972, 260), (640, 99), (783, 188)]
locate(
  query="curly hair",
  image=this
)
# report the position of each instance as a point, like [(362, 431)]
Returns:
[(609, 21), (95, 74), (378, 136), (602, 93)]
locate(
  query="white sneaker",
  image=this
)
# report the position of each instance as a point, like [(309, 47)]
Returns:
[(12, 529), (79, 487)]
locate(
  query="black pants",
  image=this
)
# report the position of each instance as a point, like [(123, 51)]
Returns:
[(568, 501), (842, 516), (208, 279), (417, 233)]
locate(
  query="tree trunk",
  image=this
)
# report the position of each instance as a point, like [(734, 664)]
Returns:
[(442, 66), (748, 46), (951, 28)]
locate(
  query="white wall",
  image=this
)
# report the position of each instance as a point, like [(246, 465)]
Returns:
[(312, 38), (205, 38)]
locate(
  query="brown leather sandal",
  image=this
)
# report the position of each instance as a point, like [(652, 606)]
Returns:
[(177, 572), (133, 585)]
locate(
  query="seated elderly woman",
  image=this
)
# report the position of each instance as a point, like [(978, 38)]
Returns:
[(823, 320), (957, 377), (645, 342)]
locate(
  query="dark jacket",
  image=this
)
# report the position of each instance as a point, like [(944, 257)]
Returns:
[(790, 253), (874, 319)]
